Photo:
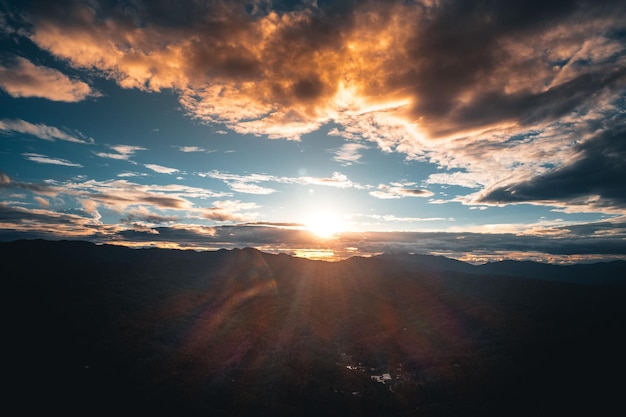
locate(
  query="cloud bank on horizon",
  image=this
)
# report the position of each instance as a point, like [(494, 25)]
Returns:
[(515, 103)]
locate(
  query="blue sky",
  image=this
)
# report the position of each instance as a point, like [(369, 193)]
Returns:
[(470, 129)]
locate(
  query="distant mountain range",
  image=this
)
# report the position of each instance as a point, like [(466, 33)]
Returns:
[(599, 273), (101, 330)]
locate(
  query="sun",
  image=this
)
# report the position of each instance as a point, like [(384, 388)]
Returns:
[(324, 224)]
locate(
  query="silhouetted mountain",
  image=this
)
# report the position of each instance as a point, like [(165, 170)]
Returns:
[(412, 262), (102, 330), (599, 273)]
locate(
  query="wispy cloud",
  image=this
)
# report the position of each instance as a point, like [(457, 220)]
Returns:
[(393, 218), (121, 152), (161, 169), (337, 180), (120, 195), (462, 179), (22, 78), (43, 159), (42, 131), (399, 190), (131, 174), (42, 201), (349, 153), (190, 149), (18, 222), (249, 183), (143, 214), (229, 210), (249, 188)]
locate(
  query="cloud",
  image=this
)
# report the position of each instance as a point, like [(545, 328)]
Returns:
[(349, 154), (593, 179), (462, 179), (161, 169), (131, 174), (22, 78), (43, 159), (266, 73), (122, 152), (121, 195), (276, 224), (44, 189), (572, 246), (399, 190), (5, 27), (393, 218), (4, 179), (164, 216), (220, 215), (42, 131), (19, 222), (511, 89), (228, 210), (337, 180), (141, 213), (189, 149), (42, 201), (248, 183), (248, 188)]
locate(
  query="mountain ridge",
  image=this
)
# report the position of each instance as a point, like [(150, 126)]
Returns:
[(610, 273)]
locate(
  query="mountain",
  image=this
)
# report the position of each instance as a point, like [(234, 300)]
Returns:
[(101, 330), (600, 273)]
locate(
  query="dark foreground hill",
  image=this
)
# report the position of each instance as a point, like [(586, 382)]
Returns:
[(104, 330)]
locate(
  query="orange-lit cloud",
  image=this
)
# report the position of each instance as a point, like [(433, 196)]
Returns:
[(22, 78), (294, 69)]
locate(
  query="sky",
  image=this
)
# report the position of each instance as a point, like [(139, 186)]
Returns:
[(477, 130)]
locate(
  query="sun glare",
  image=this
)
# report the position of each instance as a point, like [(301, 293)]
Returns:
[(324, 224)]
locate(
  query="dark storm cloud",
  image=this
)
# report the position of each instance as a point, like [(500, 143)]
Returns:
[(470, 44), (532, 108), (599, 172)]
